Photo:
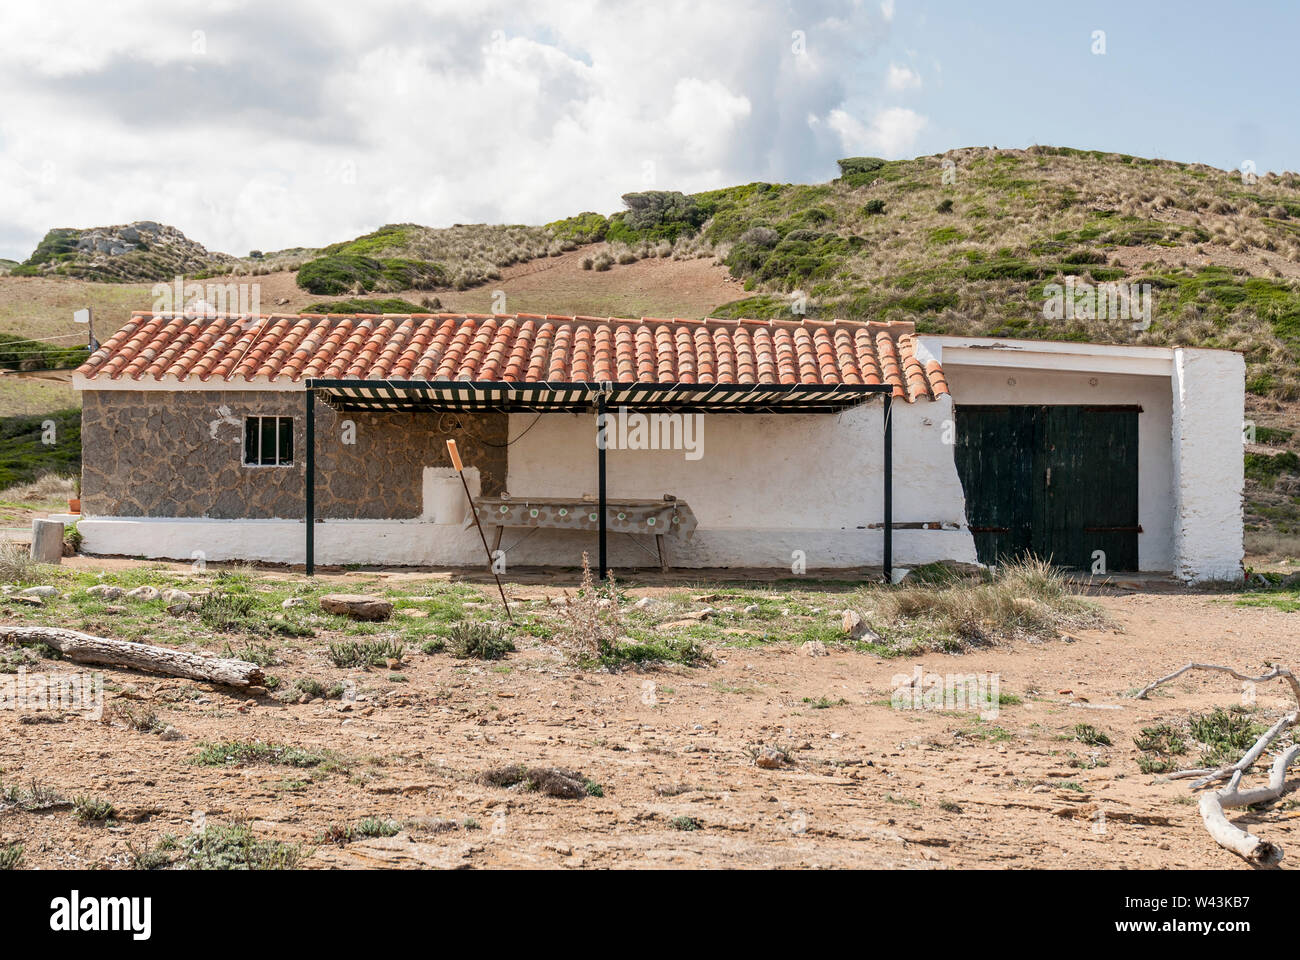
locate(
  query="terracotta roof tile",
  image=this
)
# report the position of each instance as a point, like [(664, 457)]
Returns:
[(517, 348)]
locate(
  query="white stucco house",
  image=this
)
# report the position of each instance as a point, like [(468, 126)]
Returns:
[(204, 437)]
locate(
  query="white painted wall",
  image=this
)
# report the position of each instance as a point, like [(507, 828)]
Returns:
[(976, 384), (387, 542), (764, 487), (1209, 398)]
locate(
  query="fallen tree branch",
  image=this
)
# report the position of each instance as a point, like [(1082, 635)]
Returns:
[(1225, 833), (1273, 674), (84, 648), (1232, 837)]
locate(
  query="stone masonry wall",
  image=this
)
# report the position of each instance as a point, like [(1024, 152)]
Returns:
[(166, 453)]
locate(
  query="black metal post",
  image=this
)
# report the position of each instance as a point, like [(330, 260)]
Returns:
[(601, 441), (310, 510), (889, 488)]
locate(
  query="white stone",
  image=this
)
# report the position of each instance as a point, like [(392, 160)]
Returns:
[(44, 592)]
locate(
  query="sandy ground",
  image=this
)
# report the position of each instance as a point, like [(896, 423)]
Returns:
[(870, 785)]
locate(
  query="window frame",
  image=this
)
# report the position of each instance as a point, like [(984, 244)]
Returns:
[(280, 422)]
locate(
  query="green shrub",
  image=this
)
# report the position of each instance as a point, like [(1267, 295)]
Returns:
[(350, 272), (235, 847), (1162, 739), (586, 227), (389, 305), (222, 611), (21, 353), (479, 641), (24, 456), (367, 653), (1266, 468), (859, 166), (873, 207), (1087, 733), (238, 753), (92, 809)]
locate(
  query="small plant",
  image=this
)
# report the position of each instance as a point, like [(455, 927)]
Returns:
[(874, 207), (685, 823), (824, 703), (479, 641), (1227, 734), (141, 719), (592, 621), (92, 809), (369, 827), (550, 781), (1149, 764), (434, 645), (152, 858), (594, 789), (224, 612), (949, 807), (1087, 733), (314, 689), (11, 857), (262, 654), (1162, 739), (36, 797), (235, 847), (366, 653), (244, 752)]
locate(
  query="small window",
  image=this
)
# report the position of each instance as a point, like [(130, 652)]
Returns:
[(268, 441)]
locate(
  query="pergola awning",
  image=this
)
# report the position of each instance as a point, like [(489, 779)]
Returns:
[(414, 396), (356, 394)]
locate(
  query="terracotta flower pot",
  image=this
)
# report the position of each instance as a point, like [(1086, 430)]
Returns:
[(74, 506)]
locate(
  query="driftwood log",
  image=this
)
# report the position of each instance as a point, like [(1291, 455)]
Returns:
[(1226, 833), (83, 648)]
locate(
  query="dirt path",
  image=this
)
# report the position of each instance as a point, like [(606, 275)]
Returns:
[(870, 785)]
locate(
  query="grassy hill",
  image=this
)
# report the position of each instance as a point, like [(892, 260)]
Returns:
[(964, 242)]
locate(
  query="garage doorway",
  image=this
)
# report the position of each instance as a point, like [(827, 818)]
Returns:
[(1060, 482)]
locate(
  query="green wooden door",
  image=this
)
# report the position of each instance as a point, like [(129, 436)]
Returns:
[(995, 463), (1057, 481)]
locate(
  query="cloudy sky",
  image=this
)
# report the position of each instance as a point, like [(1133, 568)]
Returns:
[(303, 122)]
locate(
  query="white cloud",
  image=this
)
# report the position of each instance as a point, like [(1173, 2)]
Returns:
[(887, 9), (899, 78), (299, 123), (889, 134)]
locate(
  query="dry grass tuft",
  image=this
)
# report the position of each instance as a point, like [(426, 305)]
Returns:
[(47, 488), (1024, 599)]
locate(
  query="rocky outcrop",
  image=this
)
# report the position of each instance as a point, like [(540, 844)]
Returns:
[(144, 250)]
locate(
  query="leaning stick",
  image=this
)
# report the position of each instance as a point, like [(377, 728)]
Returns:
[(460, 470)]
